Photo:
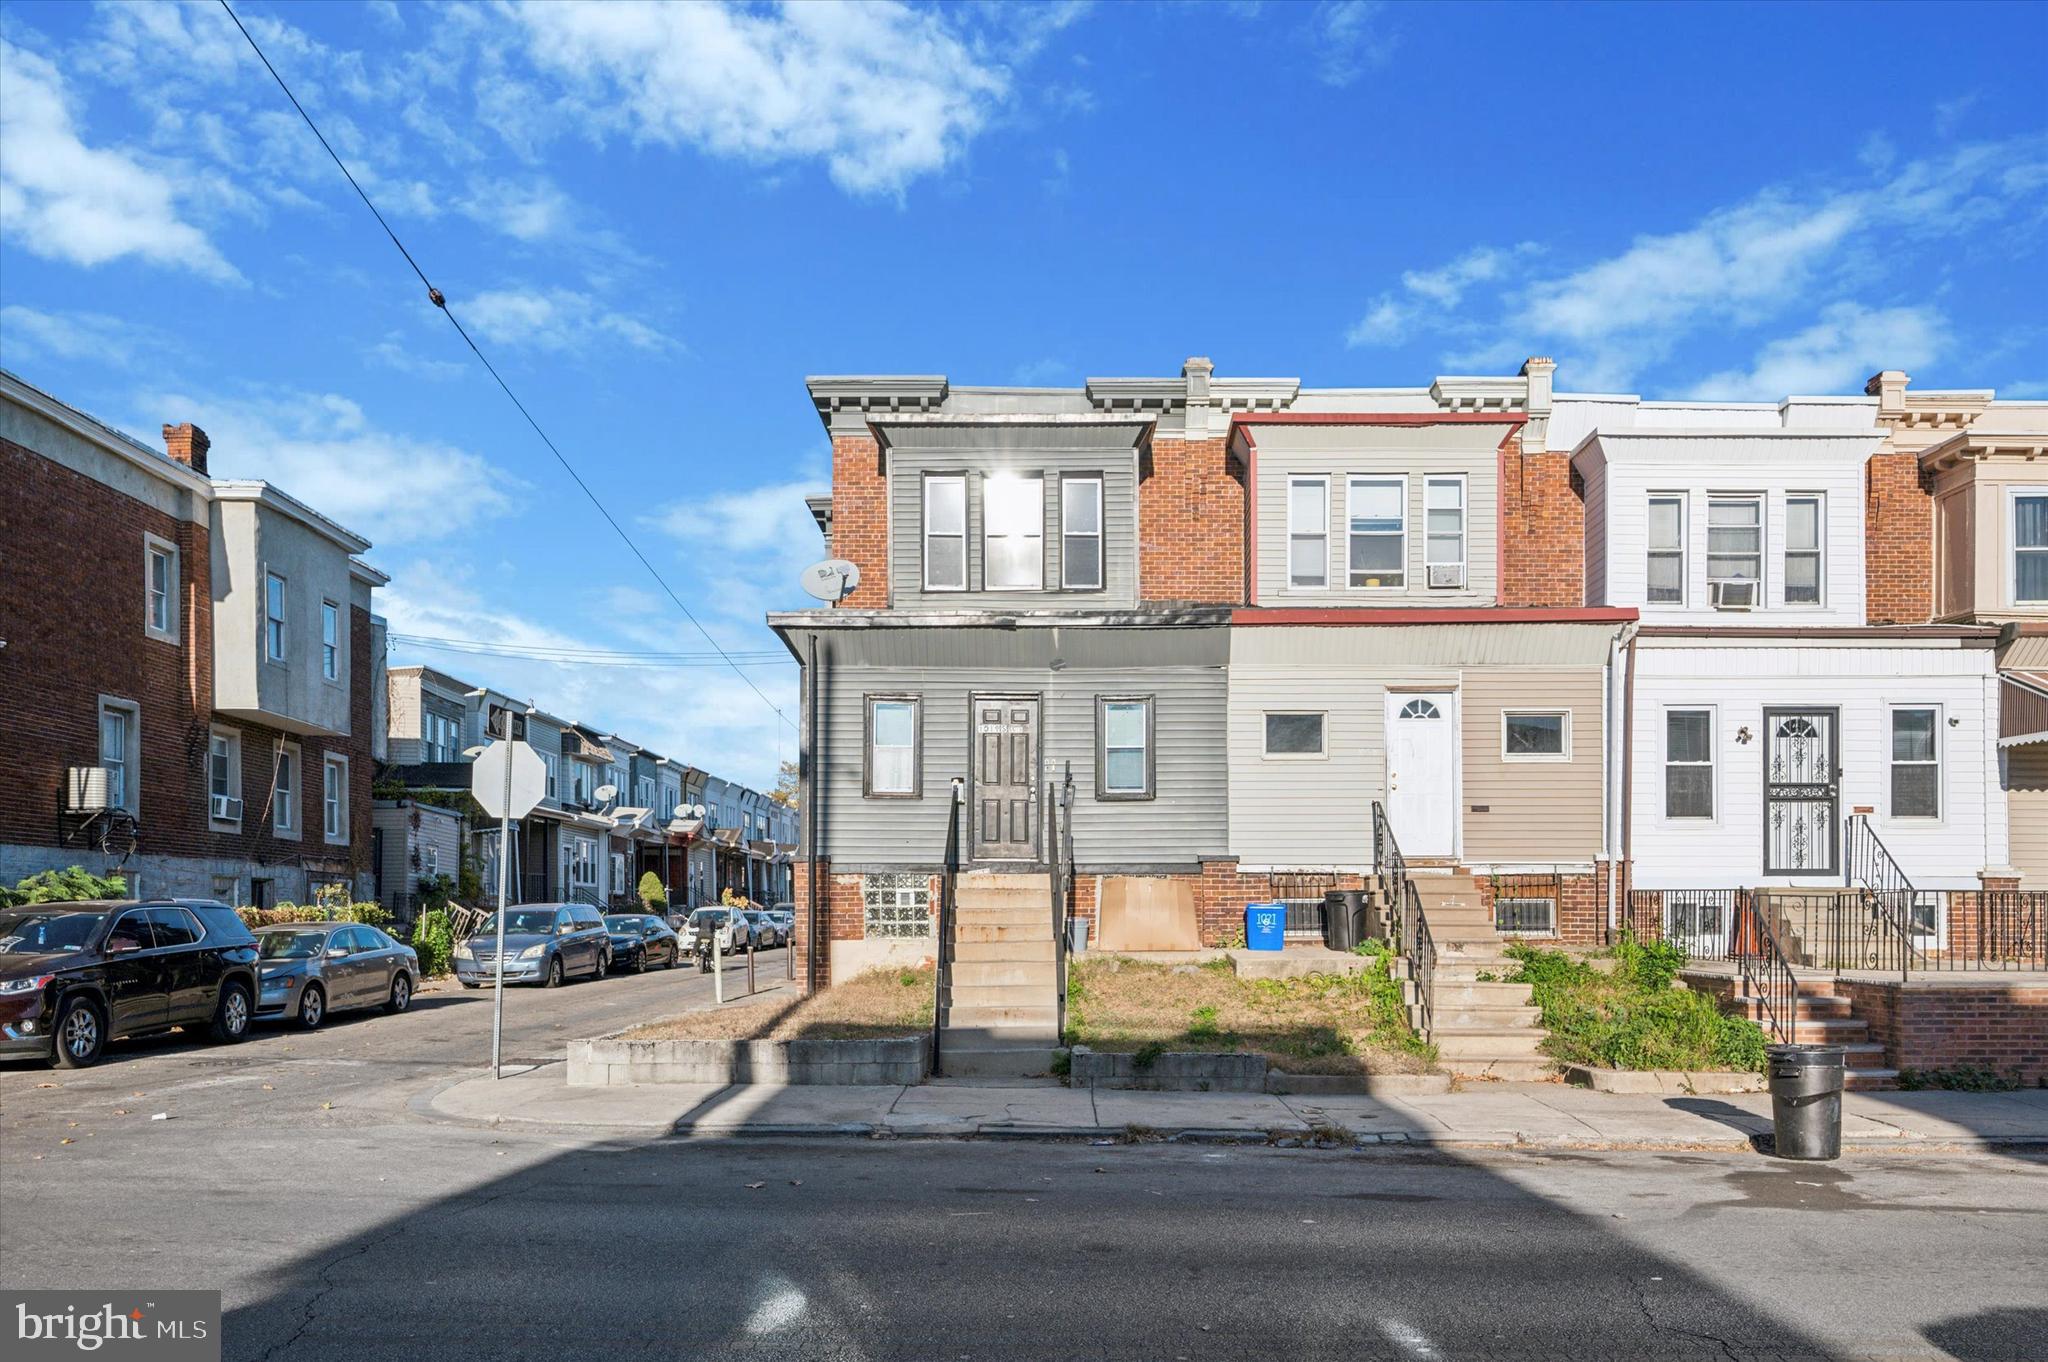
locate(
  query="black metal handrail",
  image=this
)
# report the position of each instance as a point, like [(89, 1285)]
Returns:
[(942, 953), (1765, 966), (1059, 842), (1411, 928), (2008, 930), (1887, 894)]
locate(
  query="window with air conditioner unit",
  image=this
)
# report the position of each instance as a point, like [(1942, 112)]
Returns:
[(1735, 552), (119, 786), (1444, 532), (224, 776), (1733, 595)]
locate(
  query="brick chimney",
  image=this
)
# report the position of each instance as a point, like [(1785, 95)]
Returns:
[(187, 444)]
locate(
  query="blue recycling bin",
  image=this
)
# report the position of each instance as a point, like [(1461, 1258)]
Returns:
[(1265, 926)]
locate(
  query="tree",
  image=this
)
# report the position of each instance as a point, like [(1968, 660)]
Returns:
[(785, 791)]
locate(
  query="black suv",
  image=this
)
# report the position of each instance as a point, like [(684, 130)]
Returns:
[(74, 976)]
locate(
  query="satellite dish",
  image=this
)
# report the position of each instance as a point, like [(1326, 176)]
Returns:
[(832, 580), (605, 794)]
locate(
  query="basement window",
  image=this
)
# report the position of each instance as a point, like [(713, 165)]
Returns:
[(896, 905), (1525, 916)]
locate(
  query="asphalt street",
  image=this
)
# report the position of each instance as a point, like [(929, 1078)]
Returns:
[(300, 1175)]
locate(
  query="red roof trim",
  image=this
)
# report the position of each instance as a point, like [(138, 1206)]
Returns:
[(1379, 418), (1395, 615)]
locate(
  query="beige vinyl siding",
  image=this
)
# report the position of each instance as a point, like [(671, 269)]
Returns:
[(1536, 811), (2026, 793)]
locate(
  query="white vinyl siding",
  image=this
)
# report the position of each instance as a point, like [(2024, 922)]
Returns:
[(1376, 535), (1308, 533), (945, 533)]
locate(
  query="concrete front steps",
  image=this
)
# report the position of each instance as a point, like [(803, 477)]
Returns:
[(1001, 1010), (1824, 1017), (1481, 1027)]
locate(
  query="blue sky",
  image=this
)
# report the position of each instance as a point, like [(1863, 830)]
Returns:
[(658, 220)]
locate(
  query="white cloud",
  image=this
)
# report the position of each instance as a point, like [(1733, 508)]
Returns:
[(880, 92), (530, 212), (1835, 354), (1349, 39), (555, 319), (750, 521), (391, 353), (64, 200), (91, 336), (1437, 291), (320, 447)]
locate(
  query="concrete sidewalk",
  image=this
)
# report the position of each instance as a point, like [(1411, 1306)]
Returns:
[(1539, 1115)]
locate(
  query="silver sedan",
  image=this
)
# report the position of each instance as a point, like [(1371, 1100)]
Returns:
[(309, 969)]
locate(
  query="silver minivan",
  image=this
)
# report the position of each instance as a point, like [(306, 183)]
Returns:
[(545, 943)]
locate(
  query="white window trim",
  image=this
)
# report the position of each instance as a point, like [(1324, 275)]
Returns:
[(151, 546), (334, 761), (1712, 763), (1463, 560), (1684, 500), (1940, 764), (1038, 582), (332, 678), (1321, 532), (1763, 540), (553, 763), (1820, 551), (2013, 496), (1532, 711), (930, 481), (1323, 754), (1100, 534), (913, 790), (1143, 789), (292, 827), (1351, 481), (284, 626), (233, 738), (131, 758)]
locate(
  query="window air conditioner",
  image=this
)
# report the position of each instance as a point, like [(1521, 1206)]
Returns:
[(1446, 575), (85, 789), (227, 810), (1734, 595)]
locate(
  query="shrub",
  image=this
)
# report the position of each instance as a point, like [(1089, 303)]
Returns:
[(1960, 1078), (70, 885), (433, 940), (652, 896), (435, 891), (1650, 965), (285, 914)]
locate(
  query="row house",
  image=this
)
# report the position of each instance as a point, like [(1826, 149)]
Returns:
[(1580, 646), (192, 664)]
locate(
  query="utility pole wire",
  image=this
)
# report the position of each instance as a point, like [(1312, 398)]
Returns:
[(440, 301)]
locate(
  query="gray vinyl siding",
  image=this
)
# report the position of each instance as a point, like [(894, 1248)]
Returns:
[(1118, 468), (1594, 473), (1336, 453), (1184, 670)]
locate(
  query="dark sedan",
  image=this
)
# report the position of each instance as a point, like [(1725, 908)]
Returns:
[(641, 941), (310, 969), (74, 976)]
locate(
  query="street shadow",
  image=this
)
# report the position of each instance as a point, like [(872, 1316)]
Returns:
[(1746, 1123), (1992, 1335)]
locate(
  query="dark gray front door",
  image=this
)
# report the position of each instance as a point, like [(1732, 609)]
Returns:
[(1005, 778)]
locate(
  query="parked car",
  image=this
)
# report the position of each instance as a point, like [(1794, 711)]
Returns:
[(74, 976), (728, 933), (641, 941), (785, 918), (767, 932), (309, 969), (545, 943)]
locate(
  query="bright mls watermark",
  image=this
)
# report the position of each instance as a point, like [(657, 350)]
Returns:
[(168, 1326)]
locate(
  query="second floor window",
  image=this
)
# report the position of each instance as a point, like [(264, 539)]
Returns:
[(553, 763), (1802, 549), (2030, 548), (1444, 547), (1013, 532), (330, 640), (160, 580), (1735, 539), (945, 533), (443, 737), (273, 617), (1308, 533), (1081, 534), (1379, 532), (1666, 584)]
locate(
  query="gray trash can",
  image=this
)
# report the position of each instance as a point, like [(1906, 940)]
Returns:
[(1806, 1100), (1077, 935)]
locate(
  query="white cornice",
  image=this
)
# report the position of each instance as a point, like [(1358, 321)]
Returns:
[(1467, 392)]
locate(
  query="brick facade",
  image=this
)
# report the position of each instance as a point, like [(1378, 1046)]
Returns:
[(73, 601), (1945, 1023), (1898, 541), (1581, 913), (1191, 523), (860, 517), (1542, 529)]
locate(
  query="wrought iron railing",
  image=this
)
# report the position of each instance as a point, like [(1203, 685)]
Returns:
[(2000, 929), (1765, 968), (1702, 921), (1888, 895), (1410, 927), (942, 953)]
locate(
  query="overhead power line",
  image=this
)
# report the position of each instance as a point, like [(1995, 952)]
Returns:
[(593, 657), (440, 301)]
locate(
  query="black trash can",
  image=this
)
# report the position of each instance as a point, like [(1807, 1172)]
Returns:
[(1806, 1100), (1343, 919)]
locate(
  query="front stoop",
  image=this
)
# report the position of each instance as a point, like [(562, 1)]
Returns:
[(1824, 1017), (1002, 1007), (1482, 1028)]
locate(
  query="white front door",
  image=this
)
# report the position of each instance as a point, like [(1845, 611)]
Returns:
[(1422, 783)]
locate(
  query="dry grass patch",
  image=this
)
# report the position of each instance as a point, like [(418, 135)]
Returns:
[(1326, 1024), (877, 1005)]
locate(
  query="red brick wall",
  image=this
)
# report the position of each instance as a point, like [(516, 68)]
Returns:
[(1999, 1026), (1581, 903), (860, 517), (1543, 529), (1191, 525), (1898, 539)]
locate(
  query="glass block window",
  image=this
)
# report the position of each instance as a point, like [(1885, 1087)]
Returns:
[(896, 905)]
